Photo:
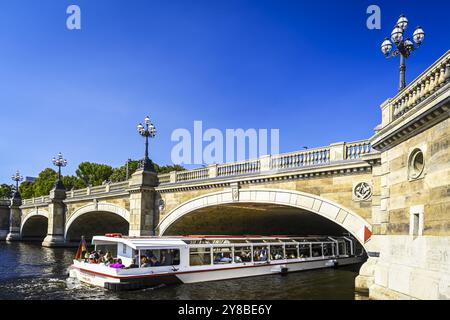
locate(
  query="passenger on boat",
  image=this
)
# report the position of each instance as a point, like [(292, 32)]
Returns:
[(166, 258), (109, 262), (117, 265), (145, 262), (108, 255), (93, 256), (101, 257), (132, 265), (154, 262)]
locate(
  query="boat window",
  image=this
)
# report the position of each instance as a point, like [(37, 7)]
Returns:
[(159, 257), (327, 249), (110, 249), (341, 247), (260, 253), (291, 251), (348, 247), (222, 255), (242, 254), (317, 250), (199, 256), (305, 250), (359, 249), (276, 253)]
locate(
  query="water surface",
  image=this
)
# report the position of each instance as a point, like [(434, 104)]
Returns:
[(28, 271)]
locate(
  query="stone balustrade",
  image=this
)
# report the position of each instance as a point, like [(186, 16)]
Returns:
[(5, 202), (301, 158), (343, 151), (429, 82), (354, 150), (190, 175), (238, 168)]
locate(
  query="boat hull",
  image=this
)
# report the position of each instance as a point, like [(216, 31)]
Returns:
[(135, 282)]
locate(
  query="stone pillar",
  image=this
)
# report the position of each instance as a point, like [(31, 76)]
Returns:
[(173, 177), (265, 162), (15, 218), (4, 219), (337, 151), (56, 219), (142, 203), (212, 171)]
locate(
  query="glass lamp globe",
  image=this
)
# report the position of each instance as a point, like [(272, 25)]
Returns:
[(386, 47), (419, 35), (408, 44), (397, 35), (402, 22)]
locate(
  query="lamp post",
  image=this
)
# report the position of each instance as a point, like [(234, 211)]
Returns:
[(404, 47), (147, 131), (59, 162), (17, 178)]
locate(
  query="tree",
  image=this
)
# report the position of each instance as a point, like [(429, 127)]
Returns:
[(72, 182), (45, 182), (26, 189), (93, 174), (168, 168), (120, 173), (6, 191)]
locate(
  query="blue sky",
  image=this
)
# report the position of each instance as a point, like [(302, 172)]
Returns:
[(309, 68)]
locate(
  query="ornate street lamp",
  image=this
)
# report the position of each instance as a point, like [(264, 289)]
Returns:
[(17, 178), (147, 131), (59, 162), (404, 47)]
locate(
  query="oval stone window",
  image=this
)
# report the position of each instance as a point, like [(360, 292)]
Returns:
[(416, 164)]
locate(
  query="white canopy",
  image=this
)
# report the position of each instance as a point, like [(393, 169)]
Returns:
[(140, 243)]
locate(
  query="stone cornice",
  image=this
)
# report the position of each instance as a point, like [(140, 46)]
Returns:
[(429, 112)]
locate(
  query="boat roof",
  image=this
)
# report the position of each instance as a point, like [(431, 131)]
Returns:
[(177, 241)]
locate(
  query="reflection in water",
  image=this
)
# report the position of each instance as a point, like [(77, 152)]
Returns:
[(28, 271)]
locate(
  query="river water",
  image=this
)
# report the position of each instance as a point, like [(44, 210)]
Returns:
[(28, 271)]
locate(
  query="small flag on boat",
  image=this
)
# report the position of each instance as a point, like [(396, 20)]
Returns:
[(81, 248)]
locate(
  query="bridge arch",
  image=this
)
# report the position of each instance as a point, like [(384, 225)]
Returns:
[(344, 217), (35, 224), (116, 215)]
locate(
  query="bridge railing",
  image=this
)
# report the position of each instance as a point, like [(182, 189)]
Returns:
[(301, 158), (424, 86), (238, 168), (343, 151), (338, 152)]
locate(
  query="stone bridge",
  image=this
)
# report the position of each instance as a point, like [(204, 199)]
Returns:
[(270, 195), (395, 185)]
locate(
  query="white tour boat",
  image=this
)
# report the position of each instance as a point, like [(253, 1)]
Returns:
[(150, 261)]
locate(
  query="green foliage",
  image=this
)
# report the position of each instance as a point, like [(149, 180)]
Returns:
[(120, 173), (6, 191), (72, 182), (168, 168), (88, 173), (93, 174), (44, 182), (26, 189)]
